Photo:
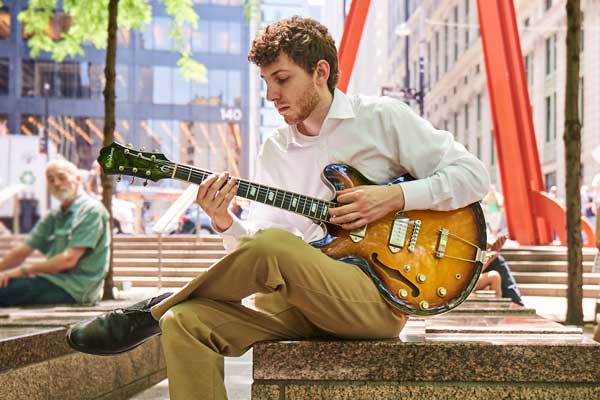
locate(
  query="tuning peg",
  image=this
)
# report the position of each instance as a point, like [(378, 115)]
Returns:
[(148, 173), (145, 182), (156, 151), (132, 180), (143, 148), (119, 178), (121, 168), (130, 145)]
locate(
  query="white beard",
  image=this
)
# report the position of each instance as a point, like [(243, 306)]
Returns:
[(64, 195)]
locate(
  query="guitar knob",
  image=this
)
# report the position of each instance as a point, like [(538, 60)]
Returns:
[(441, 291), (421, 278), (403, 293), (424, 305)]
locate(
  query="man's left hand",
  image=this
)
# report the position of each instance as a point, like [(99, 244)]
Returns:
[(365, 204)]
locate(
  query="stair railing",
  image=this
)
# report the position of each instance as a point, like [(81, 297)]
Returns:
[(173, 213)]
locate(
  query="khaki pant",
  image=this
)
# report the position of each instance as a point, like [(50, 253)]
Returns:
[(305, 294)]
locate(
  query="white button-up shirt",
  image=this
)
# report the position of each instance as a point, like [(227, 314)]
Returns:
[(383, 139)]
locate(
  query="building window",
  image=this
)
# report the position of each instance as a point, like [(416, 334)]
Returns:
[(550, 112), (478, 147), (466, 117), (4, 75), (437, 56), (4, 23), (70, 80), (550, 180), (581, 104), (547, 5), (58, 24), (550, 49), (467, 20), (455, 38), (529, 69), (492, 149), (455, 123), (478, 107), (446, 33)]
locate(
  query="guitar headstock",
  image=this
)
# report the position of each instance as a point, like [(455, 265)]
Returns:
[(117, 159)]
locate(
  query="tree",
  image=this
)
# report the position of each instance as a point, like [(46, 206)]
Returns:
[(572, 139), (98, 22)]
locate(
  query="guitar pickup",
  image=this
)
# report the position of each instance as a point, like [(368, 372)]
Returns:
[(398, 233), (356, 235), (441, 247)]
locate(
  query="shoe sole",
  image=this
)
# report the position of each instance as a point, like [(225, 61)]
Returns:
[(104, 353)]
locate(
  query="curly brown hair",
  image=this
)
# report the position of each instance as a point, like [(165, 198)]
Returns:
[(304, 40)]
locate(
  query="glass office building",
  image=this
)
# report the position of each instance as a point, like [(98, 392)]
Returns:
[(204, 124)]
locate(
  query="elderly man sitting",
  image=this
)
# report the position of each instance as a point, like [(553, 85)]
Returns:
[(75, 239)]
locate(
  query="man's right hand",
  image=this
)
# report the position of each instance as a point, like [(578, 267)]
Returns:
[(214, 198)]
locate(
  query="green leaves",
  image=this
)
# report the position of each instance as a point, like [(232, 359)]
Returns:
[(88, 23)]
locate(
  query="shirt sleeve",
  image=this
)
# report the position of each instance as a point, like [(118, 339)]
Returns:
[(41, 235), (446, 175), (88, 228)]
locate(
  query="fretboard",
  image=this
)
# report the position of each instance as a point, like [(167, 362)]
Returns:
[(304, 205)]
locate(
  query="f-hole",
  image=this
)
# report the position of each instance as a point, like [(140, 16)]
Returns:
[(396, 275)]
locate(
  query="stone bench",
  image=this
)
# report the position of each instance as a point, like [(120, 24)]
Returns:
[(464, 354), (37, 363)]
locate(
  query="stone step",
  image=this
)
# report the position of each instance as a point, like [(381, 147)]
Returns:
[(556, 290), (152, 281), (545, 266), (135, 272), (553, 277), (167, 238), (171, 262), (522, 255), (169, 246)]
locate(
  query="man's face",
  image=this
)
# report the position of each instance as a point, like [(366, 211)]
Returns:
[(62, 183), (290, 88)]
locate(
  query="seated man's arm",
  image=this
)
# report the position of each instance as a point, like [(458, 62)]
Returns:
[(60, 262), (15, 257)]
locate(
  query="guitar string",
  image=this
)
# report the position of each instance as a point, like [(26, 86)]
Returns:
[(262, 189)]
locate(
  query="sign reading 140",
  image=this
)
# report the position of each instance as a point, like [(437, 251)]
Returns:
[(231, 114)]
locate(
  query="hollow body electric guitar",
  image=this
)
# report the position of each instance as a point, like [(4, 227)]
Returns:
[(423, 262)]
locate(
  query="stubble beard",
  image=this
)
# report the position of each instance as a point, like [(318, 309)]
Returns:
[(306, 105)]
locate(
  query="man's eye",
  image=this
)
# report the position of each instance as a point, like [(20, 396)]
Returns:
[(281, 80)]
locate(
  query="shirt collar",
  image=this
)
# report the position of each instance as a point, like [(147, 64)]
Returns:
[(341, 108)]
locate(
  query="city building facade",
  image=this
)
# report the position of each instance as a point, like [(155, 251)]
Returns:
[(444, 36), (202, 124)]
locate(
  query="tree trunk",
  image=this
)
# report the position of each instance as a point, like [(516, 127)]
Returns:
[(572, 139), (109, 128)]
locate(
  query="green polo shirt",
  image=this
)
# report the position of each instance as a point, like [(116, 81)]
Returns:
[(83, 224)]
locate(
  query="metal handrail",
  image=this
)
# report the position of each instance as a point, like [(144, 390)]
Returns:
[(173, 213)]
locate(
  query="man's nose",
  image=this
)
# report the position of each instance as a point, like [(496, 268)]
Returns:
[(272, 94)]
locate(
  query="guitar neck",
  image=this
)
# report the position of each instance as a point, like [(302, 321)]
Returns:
[(309, 207)]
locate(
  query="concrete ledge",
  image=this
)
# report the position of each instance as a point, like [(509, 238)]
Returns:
[(418, 391), (82, 376)]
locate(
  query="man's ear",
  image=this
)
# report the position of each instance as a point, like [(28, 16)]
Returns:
[(322, 71)]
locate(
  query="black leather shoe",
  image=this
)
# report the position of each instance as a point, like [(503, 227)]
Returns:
[(117, 331)]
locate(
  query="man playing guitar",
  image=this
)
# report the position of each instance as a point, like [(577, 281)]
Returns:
[(300, 291)]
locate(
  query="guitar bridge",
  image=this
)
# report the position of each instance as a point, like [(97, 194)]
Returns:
[(441, 248)]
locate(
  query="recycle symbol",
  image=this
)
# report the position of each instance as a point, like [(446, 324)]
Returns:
[(27, 178)]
